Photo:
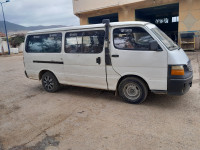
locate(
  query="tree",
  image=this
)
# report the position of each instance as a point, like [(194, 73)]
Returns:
[(17, 40)]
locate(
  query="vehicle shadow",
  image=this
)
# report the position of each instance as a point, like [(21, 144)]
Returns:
[(154, 100), (89, 92), (163, 100)]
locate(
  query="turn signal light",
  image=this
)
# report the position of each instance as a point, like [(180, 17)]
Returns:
[(177, 71)]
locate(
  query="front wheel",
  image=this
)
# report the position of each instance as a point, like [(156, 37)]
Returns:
[(50, 82), (133, 90)]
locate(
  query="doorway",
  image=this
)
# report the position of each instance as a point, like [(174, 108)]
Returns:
[(166, 17)]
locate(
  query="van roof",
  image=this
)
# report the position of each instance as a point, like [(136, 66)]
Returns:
[(89, 26)]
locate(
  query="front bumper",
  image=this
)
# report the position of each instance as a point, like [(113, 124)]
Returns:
[(179, 86)]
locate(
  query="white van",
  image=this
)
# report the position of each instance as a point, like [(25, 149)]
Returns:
[(131, 58)]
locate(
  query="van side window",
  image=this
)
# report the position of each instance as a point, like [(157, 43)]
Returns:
[(84, 42), (73, 42), (132, 38), (44, 43), (93, 41)]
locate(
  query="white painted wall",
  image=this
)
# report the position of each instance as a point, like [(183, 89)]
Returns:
[(14, 50), (0, 45), (4, 48), (89, 5), (21, 47)]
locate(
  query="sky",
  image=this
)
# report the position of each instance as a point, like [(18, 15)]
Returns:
[(40, 12)]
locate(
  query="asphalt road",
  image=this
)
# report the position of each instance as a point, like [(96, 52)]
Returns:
[(87, 119)]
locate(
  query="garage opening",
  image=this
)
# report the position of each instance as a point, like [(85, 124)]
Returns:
[(98, 19), (166, 17)]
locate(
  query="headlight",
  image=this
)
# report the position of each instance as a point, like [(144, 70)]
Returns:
[(177, 71)]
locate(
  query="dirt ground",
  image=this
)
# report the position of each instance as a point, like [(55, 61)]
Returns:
[(87, 119)]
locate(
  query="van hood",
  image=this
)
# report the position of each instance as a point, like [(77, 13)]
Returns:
[(177, 57)]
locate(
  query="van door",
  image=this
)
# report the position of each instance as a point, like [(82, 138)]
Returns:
[(131, 55), (84, 60)]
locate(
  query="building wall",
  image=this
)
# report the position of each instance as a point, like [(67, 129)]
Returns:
[(189, 15), (81, 6), (189, 19), (189, 11), (125, 8), (126, 14)]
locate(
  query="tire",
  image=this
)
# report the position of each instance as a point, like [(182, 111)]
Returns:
[(133, 90), (50, 82)]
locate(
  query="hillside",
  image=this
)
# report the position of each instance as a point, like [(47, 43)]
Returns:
[(12, 27)]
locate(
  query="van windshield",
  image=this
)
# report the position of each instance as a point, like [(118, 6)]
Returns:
[(163, 37)]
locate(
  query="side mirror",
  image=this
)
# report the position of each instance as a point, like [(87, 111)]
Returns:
[(153, 45)]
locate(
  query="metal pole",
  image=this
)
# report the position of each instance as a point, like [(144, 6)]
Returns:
[(5, 30)]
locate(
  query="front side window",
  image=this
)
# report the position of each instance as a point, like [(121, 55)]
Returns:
[(132, 38), (84, 42), (44, 43)]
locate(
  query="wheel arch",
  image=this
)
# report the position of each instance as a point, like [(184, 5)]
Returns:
[(44, 71), (127, 76)]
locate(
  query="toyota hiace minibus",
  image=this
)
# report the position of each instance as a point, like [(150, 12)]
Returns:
[(130, 58)]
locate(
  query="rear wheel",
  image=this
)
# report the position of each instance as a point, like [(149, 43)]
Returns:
[(133, 90), (50, 82)]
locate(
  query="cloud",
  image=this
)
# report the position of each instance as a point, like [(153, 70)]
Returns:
[(40, 12)]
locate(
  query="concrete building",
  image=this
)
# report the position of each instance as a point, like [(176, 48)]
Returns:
[(174, 17)]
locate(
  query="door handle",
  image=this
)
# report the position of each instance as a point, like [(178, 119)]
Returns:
[(98, 60), (115, 55)]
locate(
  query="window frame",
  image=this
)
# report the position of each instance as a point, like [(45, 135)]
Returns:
[(37, 34), (76, 31), (129, 49)]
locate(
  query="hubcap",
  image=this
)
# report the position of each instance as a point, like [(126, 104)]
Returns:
[(48, 83), (132, 91)]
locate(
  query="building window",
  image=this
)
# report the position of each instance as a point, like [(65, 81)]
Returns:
[(175, 19)]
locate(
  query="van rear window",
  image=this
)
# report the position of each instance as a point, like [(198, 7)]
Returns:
[(44, 43)]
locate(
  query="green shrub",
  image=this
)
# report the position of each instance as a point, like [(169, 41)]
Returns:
[(16, 40)]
